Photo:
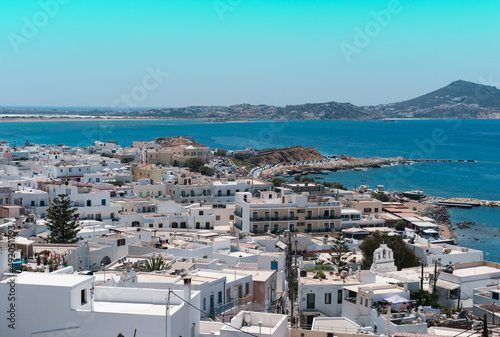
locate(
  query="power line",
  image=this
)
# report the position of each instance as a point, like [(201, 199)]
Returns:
[(229, 325)]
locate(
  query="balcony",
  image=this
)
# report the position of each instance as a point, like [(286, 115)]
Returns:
[(268, 219), (239, 214), (322, 217), (321, 230)]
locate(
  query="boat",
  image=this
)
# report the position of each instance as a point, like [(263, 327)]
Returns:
[(318, 177), (415, 195), (360, 169)]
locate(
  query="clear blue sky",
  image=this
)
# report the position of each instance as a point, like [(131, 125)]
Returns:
[(90, 53)]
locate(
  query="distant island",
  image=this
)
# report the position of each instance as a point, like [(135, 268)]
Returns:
[(458, 100)]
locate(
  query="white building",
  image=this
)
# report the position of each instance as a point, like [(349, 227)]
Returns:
[(90, 205), (319, 296), (383, 261), (445, 253), (457, 285), (80, 308), (360, 305)]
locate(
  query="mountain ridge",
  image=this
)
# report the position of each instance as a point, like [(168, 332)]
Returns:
[(459, 99)]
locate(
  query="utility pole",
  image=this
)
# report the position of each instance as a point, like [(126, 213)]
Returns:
[(422, 277), (294, 272), (485, 326), (435, 276)]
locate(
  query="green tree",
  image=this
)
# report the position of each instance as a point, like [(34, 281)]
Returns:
[(277, 182), (426, 298), (307, 180), (334, 185), (220, 152), (207, 171), (400, 225), (339, 250), (297, 178), (381, 196), (404, 256), (153, 263), (194, 164), (62, 221)]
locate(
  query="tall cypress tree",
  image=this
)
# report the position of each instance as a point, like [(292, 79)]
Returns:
[(61, 221), (339, 248)]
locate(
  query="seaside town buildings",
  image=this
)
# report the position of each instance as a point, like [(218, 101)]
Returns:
[(235, 255)]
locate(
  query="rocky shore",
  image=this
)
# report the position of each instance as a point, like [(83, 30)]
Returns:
[(486, 203), (347, 163)]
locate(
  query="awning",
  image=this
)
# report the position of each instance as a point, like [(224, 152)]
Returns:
[(396, 299), (430, 231)]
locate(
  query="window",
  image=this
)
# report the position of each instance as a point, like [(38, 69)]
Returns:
[(201, 212), (160, 225), (103, 202), (328, 298), (339, 296), (204, 304), (367, 210), (220, 297), (83, 295), (247, 288), (301, 211), (150, 225), (310, 301), (42, 202), (89, 203), (120, 242), (97, 180), (217, 218), (494, 296), (231, 217), (376, 210)]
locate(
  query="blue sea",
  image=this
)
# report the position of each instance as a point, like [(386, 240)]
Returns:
[(432, 139)]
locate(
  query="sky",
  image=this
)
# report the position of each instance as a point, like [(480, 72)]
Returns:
[(174, 53)]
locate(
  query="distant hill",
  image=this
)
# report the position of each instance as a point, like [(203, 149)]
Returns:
[(459, 99), (315, 111)]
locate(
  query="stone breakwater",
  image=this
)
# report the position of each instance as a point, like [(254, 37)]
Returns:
[(486, 203), (347, 163)]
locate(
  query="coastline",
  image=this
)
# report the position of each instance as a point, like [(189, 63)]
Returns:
[(446, 226), (100, 119)]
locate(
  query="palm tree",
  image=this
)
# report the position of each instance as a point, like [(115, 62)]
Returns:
[(153, 263)]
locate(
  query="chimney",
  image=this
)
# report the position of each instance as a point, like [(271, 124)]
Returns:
[(187, 299)]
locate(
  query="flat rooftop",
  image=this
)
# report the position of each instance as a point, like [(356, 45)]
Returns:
[(481, 270), (51, 280), (132, 308), (330, 279)]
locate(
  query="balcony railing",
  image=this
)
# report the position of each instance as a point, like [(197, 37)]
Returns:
[(323, 217), (320, 230), (268, 219), (220, 309)]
